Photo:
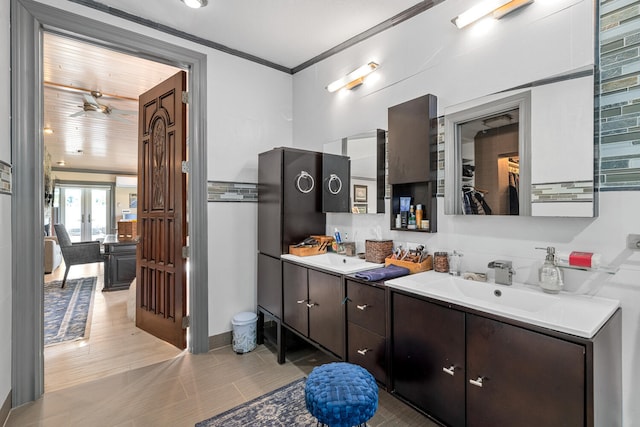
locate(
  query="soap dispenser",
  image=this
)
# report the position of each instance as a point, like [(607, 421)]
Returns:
[(550, 276)]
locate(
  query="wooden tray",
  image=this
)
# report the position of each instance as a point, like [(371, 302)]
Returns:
[(308, 250), (414, 267)]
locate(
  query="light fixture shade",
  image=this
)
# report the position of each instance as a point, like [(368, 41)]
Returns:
[(195, 4), (512, 6), (354, 78), (478, 11)]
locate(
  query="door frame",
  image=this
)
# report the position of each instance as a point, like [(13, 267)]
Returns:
[(28, 20)]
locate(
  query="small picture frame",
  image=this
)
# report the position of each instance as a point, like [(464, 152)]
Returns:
[(359, 208), (360, 193)]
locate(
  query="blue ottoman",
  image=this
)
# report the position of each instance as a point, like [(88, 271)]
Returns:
[(341, 394)]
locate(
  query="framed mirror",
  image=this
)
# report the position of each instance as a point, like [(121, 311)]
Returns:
[(366, 152), (524, 152)]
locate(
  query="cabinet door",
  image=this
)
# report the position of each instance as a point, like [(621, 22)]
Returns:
[(326, 314), (528, 379), (295, 297), (428, 356), (366, 307), (412, 131), (368, 350), (270, 284), (336, 183)]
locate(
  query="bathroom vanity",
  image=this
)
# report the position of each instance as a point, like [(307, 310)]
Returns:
[(475, 354)]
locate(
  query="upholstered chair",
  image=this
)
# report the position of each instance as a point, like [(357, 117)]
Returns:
[(76, 253)]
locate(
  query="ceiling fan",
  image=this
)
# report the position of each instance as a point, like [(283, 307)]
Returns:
[(92, 107)]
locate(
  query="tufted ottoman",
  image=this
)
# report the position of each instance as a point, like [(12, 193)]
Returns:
[(341, 394)]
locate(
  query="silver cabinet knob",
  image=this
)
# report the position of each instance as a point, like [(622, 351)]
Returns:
[(364, 351), (362, 307)]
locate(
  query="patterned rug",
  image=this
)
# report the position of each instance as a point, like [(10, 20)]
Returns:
[(66, 310), (282, 407)]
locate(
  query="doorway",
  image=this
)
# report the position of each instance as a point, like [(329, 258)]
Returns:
[(84, 210), (28, 22)]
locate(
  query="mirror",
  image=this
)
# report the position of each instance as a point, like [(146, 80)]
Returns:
[(525, 152), (366, 152)]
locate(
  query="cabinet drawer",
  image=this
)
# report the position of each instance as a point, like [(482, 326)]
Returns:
[(366, 307), (368, 350)]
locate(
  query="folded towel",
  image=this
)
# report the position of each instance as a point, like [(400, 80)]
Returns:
[(383, 273)]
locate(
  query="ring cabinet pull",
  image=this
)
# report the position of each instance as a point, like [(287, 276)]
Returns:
[(333, 178), (306, 176)]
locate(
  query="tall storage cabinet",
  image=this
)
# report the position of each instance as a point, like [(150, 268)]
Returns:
[(412, 154), (289, 210)]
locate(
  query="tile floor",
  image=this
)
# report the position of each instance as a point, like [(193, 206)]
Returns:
[(121, 376)]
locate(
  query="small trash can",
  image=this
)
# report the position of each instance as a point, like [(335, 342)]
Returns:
[(244, 332)]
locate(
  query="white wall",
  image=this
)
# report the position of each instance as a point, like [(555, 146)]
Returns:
[(248, 111), (427, 54), (5, 209)]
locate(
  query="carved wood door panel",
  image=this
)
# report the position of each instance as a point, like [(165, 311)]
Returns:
[(162, 227)]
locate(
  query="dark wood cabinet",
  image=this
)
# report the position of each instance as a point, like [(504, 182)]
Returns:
[(270, 284), (413, 157), (412, 139), (336, 183), (464, 369), (508, 366), (428, 358), (119, 263), (312, 306), (367, 327)]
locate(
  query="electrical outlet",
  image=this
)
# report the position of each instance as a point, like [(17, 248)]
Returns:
[(633, 241)]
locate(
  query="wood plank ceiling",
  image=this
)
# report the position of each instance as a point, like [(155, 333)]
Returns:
[(94, 141)]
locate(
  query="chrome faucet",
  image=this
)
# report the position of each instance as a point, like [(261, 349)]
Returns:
[(504, 272)]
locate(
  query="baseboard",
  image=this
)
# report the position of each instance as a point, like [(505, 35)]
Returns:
[(220, 340), (5, 409)]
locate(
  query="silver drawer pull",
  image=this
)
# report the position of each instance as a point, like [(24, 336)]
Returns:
[(477, 383), (311, 304), (302, 301), (363, 351), (362, 307), (450, 370)]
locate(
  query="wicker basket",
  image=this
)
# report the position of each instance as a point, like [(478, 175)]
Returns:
[(377, 250)]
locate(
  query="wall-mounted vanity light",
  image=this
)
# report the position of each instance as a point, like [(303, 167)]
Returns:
[(195, 4), (496, 8), (354, 78)]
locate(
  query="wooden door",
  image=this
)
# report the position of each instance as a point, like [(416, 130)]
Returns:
[(295, 297), (326, 311), (428, 354), (522, 378), (161, 274)]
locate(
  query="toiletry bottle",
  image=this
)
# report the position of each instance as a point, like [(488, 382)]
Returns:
[(412, 219), (398, 221), (418, 216), (550, 276)]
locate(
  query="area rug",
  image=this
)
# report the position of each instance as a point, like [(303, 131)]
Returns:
[(66, 310), (282, 407)]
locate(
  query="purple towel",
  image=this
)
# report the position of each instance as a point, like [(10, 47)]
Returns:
[(383, 273)]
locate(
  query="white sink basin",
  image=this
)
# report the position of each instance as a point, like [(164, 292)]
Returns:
[(333, 262), (579, 315)]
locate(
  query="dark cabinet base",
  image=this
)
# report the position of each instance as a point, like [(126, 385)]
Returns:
[(119, 264)]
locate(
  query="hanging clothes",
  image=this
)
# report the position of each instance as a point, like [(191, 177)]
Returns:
[(473, 202), (514, 200)]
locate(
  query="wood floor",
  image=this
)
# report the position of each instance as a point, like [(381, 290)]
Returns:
[(121, 376)]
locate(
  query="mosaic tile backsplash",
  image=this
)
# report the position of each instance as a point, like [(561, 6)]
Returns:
[(620, 95)]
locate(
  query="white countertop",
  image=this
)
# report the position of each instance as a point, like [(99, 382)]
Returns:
[(579, 315), (333, 262)]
